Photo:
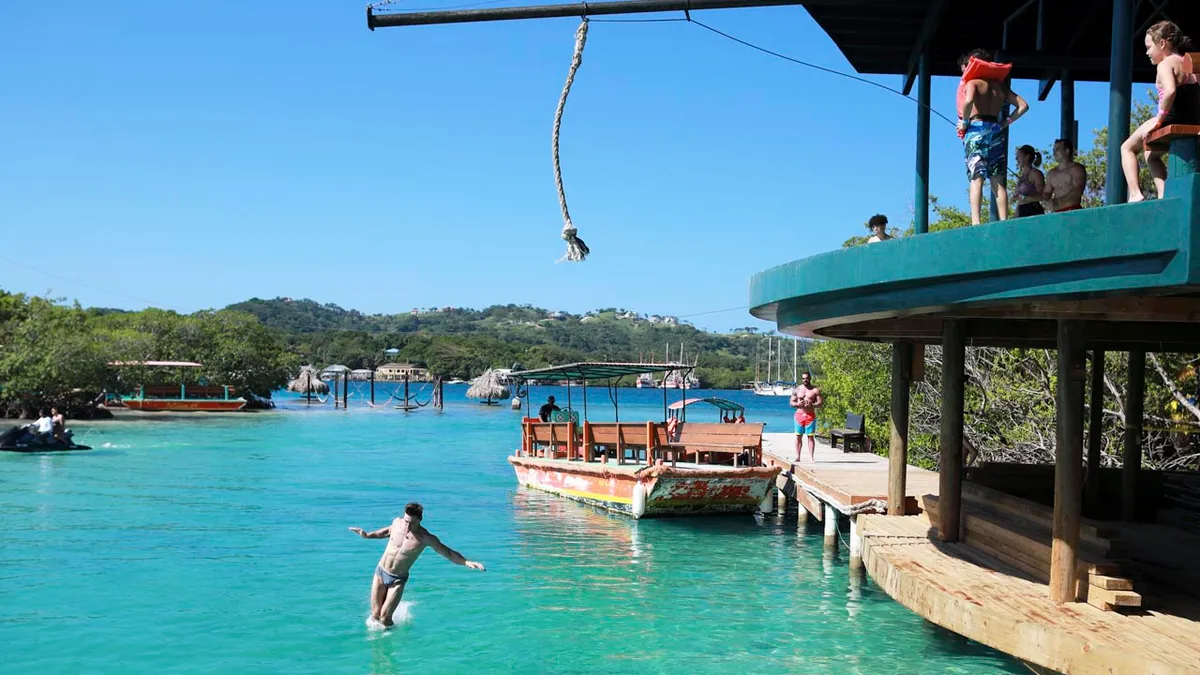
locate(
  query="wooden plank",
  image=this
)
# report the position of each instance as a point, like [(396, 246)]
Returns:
[(810, 503), (1110, 583), (1113, 597)]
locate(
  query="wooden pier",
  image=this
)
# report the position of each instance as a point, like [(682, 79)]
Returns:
[(961, 588), (841, 484), (991, 586)]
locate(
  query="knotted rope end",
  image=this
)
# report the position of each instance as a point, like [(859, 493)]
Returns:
[(577, 251)]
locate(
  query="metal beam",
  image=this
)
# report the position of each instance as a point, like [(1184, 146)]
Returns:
[(933, 19), (579, 9), (1120, 78)]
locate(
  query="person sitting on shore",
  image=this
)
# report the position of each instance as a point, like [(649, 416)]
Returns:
[(547, 408), (984, 136), (1065, 183), (1178, 103), (878, 226), (1030, 182)]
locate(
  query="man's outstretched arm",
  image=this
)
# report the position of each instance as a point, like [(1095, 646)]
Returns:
[(450, 554), (381, 533)]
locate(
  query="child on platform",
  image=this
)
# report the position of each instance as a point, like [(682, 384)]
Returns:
[(1178, 103)]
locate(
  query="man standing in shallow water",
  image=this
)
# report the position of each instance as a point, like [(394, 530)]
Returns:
[(407, 539)]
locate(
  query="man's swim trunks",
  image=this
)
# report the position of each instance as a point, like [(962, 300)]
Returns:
[(1073, 207), (984, 145), (806, 422), (390, 579)]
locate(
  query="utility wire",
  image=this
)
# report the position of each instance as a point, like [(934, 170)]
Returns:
[(144, 301), (816, 67)]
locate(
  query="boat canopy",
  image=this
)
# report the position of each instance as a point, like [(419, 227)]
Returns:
[(172, 364), (723, 403), (589, 370)]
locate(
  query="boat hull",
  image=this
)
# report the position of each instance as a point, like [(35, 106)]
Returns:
[(184, 405), (668, 491)]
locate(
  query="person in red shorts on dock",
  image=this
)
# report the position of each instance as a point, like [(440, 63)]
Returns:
[(806, 399)]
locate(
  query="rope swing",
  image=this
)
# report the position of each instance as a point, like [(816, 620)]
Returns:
[(577, 251)]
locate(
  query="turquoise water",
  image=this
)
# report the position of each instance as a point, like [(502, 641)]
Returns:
[(218, 543)]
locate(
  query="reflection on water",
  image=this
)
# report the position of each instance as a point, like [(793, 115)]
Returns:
[(223, 538)]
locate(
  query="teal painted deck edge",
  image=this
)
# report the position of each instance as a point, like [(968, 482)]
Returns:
[(1131, 248)]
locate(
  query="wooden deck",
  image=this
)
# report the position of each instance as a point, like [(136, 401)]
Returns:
[(843, 480), (970, 593)]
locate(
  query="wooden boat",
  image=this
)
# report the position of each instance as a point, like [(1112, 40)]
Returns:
[(640, 469), (182, 397)]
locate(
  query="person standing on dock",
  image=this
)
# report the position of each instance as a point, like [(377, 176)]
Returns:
[(806, 399), (407, 539)]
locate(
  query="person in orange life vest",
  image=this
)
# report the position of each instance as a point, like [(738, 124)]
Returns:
[(806, 399), (982, 94)]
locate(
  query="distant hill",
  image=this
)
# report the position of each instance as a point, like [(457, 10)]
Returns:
[(462, 342)]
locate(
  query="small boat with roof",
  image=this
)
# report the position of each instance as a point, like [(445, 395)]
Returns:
[(644, 468), (182, 397)]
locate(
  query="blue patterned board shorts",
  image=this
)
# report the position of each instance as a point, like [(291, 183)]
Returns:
[(984, 145)]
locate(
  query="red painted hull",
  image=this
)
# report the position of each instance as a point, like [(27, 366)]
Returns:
[(197, 405), (668, 491)]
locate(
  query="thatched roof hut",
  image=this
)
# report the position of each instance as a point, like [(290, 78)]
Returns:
[(488, 387), (334, 372), (308, 382)]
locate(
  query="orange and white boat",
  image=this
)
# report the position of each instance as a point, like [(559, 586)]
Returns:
[(641, 469), (181, 397)]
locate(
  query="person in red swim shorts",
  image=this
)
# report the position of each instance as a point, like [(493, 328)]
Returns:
[(806, 399)]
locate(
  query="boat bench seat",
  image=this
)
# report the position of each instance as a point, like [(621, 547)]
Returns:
[(732, 439), (1160, 139)]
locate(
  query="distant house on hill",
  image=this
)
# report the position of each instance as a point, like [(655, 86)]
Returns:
[(395, 372)]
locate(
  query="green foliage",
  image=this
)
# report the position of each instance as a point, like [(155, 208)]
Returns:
[(57, 354), (1009, 412), (464, 342)]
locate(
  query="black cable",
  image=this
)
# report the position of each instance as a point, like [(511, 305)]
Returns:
[(820, 68)]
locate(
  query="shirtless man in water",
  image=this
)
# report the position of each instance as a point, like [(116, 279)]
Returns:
[(1065, 182), (806, 399), (407, 539)]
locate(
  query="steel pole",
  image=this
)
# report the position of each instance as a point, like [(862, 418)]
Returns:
[(580, 9)]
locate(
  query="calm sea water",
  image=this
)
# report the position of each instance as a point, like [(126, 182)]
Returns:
[(219, 544)]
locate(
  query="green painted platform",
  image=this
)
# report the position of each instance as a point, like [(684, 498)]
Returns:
[(1132, 272)]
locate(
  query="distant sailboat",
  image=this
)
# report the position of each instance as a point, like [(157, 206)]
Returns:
[(778, 387)]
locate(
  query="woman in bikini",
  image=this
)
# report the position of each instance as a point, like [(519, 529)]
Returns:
[(1178, 103), (1030, 182)]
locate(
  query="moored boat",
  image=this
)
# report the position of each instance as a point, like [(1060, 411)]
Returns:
[(641, 469), (181, 397)]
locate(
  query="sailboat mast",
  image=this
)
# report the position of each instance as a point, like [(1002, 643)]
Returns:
[(795, 359)]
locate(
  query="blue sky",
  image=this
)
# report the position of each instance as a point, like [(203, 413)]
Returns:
[(194, 155)]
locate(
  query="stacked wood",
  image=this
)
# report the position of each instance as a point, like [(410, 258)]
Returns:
[(1017, 533)]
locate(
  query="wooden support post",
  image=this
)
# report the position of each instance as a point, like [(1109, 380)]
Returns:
[(1132, 452), (902, 354), (1095, 437), (1068, 465), (954, 343), (573, 448), (856, 562), (587, 441), (831, 531)]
